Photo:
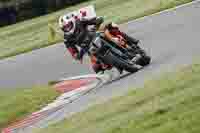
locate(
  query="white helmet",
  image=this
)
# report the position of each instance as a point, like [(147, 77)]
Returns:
[(114, 25), (67, 22)]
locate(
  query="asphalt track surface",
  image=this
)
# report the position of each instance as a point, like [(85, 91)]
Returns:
[(172, 39)]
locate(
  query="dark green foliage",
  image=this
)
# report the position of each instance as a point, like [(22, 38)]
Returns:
[(12, 11)]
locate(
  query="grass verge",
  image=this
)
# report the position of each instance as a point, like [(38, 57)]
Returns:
[(169, 104), (16, 104), (33, 34)]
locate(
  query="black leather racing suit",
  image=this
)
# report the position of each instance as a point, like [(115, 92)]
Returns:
[(81, 37)]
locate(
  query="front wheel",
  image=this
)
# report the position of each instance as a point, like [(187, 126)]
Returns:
[(144, 61)]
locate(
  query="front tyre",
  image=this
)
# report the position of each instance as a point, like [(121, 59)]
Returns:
[(144, 61)]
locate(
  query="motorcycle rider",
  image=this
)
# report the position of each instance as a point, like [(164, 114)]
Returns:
[(114, 34), (77, 37)]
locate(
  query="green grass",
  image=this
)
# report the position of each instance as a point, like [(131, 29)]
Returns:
[(16, 104), (170, 104), (33, 34)]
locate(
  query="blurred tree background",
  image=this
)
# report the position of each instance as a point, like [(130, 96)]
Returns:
[(12, 11)]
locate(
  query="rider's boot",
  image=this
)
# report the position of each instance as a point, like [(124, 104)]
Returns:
[(136, 58)]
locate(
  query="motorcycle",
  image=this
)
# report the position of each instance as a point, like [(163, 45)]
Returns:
[(120, 57), (108, 53)]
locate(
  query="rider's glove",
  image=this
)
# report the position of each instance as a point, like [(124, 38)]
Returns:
[(119, 40)]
